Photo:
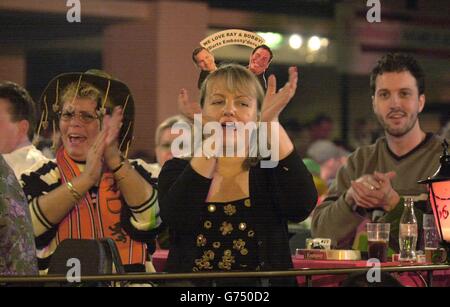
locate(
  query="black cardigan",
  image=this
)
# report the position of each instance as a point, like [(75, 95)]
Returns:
[(286, 192)]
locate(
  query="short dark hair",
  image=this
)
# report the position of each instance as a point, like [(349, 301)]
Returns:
[(266, 48), (197, 51), (398, 62), (22, 106)]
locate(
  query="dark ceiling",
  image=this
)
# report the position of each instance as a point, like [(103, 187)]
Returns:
[(313, 8)]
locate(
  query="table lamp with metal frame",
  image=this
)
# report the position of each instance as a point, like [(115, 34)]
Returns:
[(439, 197)]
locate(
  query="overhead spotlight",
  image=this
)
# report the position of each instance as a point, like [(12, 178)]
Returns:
[(314, 43), (295, 41), (324, 42), (273, 40)]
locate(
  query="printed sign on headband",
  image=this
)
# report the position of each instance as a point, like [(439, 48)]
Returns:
[(232, 37)]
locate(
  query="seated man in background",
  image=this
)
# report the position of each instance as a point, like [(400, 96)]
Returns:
[(377, 178), (17, 250), (17, 124), (330, 158), (163, 142)]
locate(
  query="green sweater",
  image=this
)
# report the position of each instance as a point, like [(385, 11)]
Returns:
[(336, 219)]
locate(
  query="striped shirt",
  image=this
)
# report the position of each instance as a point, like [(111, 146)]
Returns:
[(45, 176)]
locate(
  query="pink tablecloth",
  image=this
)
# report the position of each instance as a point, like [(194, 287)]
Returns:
[(440, 278)]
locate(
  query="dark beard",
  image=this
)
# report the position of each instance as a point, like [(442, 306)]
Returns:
[(398, 133)]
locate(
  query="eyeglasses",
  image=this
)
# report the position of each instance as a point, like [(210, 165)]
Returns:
[(84, 117)]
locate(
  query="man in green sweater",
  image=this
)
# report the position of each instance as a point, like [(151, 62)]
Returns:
[(377, 178)]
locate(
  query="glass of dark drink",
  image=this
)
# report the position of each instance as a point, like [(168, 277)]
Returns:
[(378, 240), (378, 250)]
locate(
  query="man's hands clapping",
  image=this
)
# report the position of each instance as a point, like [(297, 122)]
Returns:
[(373, 191)]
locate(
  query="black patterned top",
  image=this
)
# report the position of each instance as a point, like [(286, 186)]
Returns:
[(227, 241), (284, 192)]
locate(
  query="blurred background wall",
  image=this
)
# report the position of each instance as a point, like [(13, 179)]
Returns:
[(148, 45)]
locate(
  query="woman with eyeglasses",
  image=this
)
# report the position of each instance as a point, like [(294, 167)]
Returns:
[(91, 191)]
